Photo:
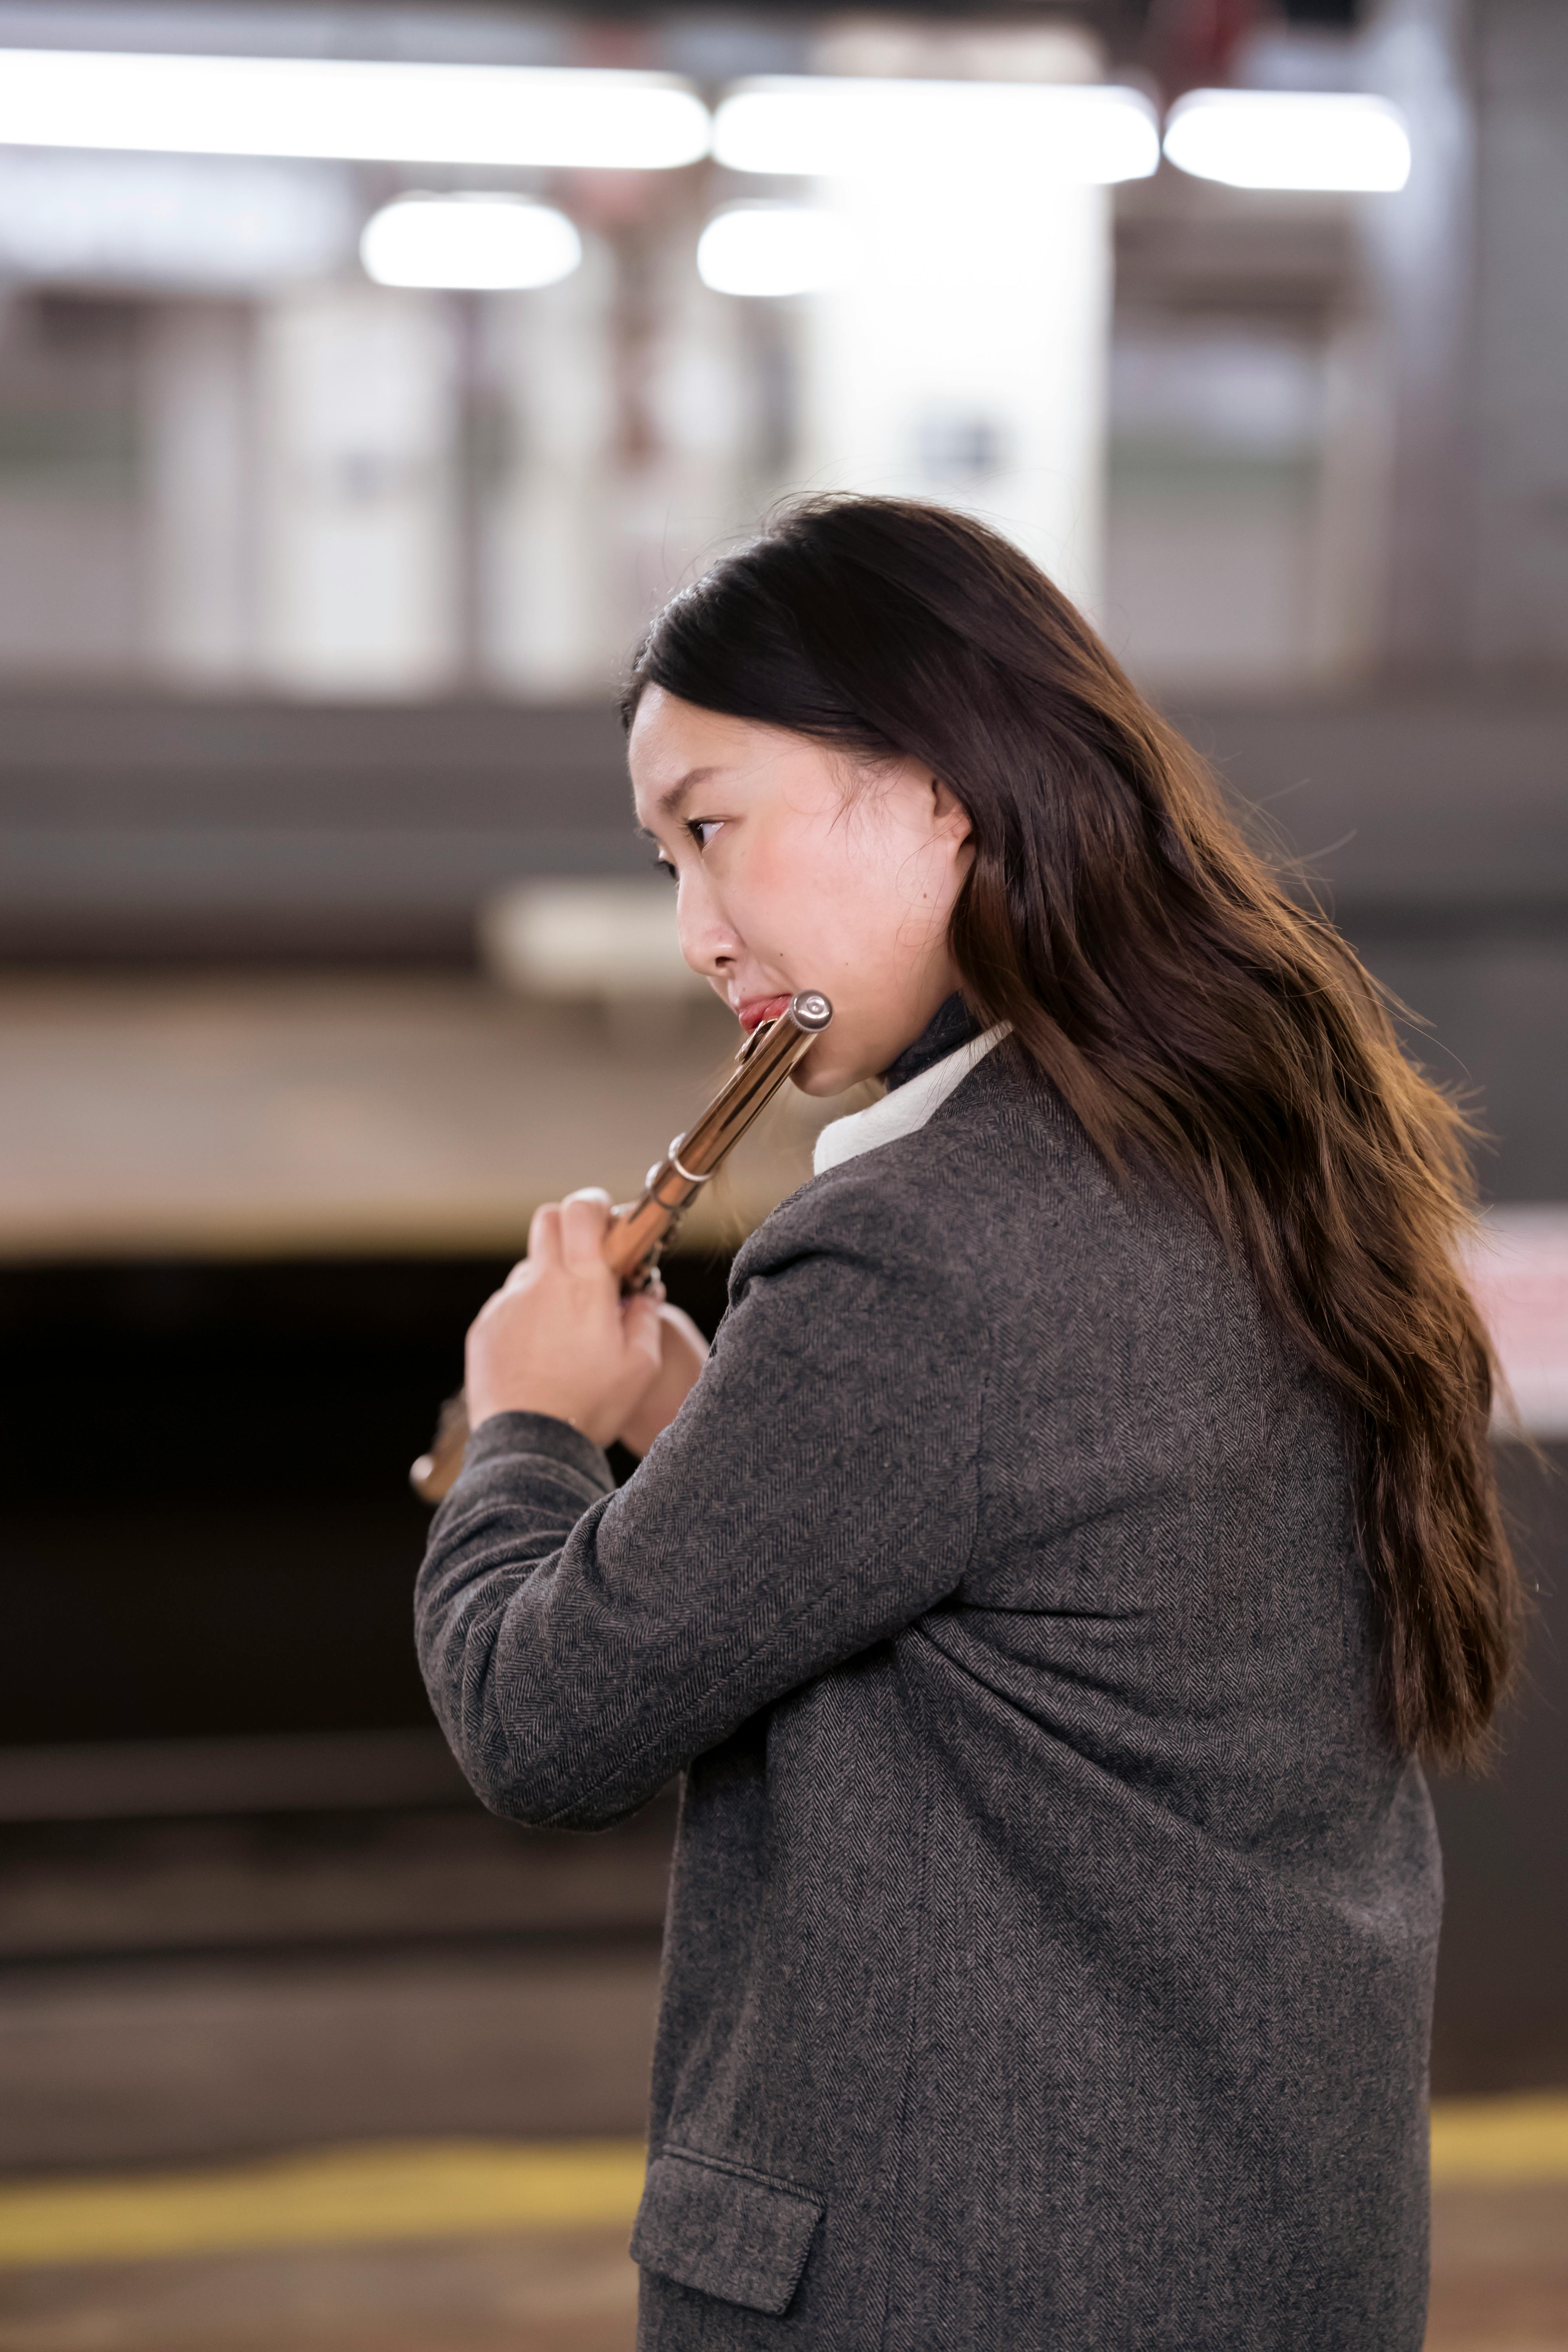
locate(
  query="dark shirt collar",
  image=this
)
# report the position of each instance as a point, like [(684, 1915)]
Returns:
[(951, 1026)]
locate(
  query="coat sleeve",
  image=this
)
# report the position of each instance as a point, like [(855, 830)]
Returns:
[(816, 1493)]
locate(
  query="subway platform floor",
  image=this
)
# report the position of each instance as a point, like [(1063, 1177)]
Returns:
[(406, 2248), (1499, 2282), (573, 2291)]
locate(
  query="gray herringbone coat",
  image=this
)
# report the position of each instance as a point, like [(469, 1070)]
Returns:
[(1050, 1950)]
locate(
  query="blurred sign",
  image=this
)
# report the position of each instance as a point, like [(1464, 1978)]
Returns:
[(591, 942), (171, 221), (1519, 1270)]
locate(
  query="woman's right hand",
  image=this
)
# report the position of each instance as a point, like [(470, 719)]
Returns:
[(683, 1351)]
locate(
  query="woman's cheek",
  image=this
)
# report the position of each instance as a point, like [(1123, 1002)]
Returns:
[(774, 892)]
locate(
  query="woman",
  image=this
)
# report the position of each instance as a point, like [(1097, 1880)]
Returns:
[(1082, 1526)]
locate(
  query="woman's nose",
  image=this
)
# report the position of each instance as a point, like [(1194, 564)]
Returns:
[(708, 943)]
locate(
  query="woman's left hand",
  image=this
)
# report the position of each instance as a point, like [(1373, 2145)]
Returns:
[(684, 1351), (557, 1337)]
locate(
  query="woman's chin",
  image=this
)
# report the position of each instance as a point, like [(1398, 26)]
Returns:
[(822, 1080)]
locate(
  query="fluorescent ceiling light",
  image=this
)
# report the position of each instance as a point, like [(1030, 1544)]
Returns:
[(770, 249), (487, 244), (1323, 139), (841, 128), (508, 115), (171, 222)]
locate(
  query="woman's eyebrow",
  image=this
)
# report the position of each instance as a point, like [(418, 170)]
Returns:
[(670, 802)]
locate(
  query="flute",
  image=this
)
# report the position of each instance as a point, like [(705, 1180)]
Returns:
[(639, 1231)]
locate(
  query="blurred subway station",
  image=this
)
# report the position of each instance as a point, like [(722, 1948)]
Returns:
[(368, 373)]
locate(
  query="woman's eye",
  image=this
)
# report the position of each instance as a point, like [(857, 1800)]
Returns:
[(703, 828), (662, 866)]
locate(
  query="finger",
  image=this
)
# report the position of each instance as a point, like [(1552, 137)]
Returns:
[(544, 1233), (679, 1325), (585, 1219), (641, 1330)]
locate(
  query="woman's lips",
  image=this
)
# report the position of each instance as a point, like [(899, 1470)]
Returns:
[(757, 1009)]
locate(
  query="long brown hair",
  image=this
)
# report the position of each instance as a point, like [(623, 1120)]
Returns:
[(1196, 1018)]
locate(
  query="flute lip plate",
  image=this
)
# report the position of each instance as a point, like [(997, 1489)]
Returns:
[(810, 1009)]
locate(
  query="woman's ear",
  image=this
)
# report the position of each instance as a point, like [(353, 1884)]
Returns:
[(951, 818)]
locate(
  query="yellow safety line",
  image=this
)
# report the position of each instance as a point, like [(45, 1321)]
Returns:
[(425, 2189), (1519, 2138), (418, 2189)]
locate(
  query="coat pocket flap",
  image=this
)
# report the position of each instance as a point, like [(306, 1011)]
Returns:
[(728, 2231)]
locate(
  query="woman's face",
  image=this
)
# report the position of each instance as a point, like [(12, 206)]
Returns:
[(794, 871)]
